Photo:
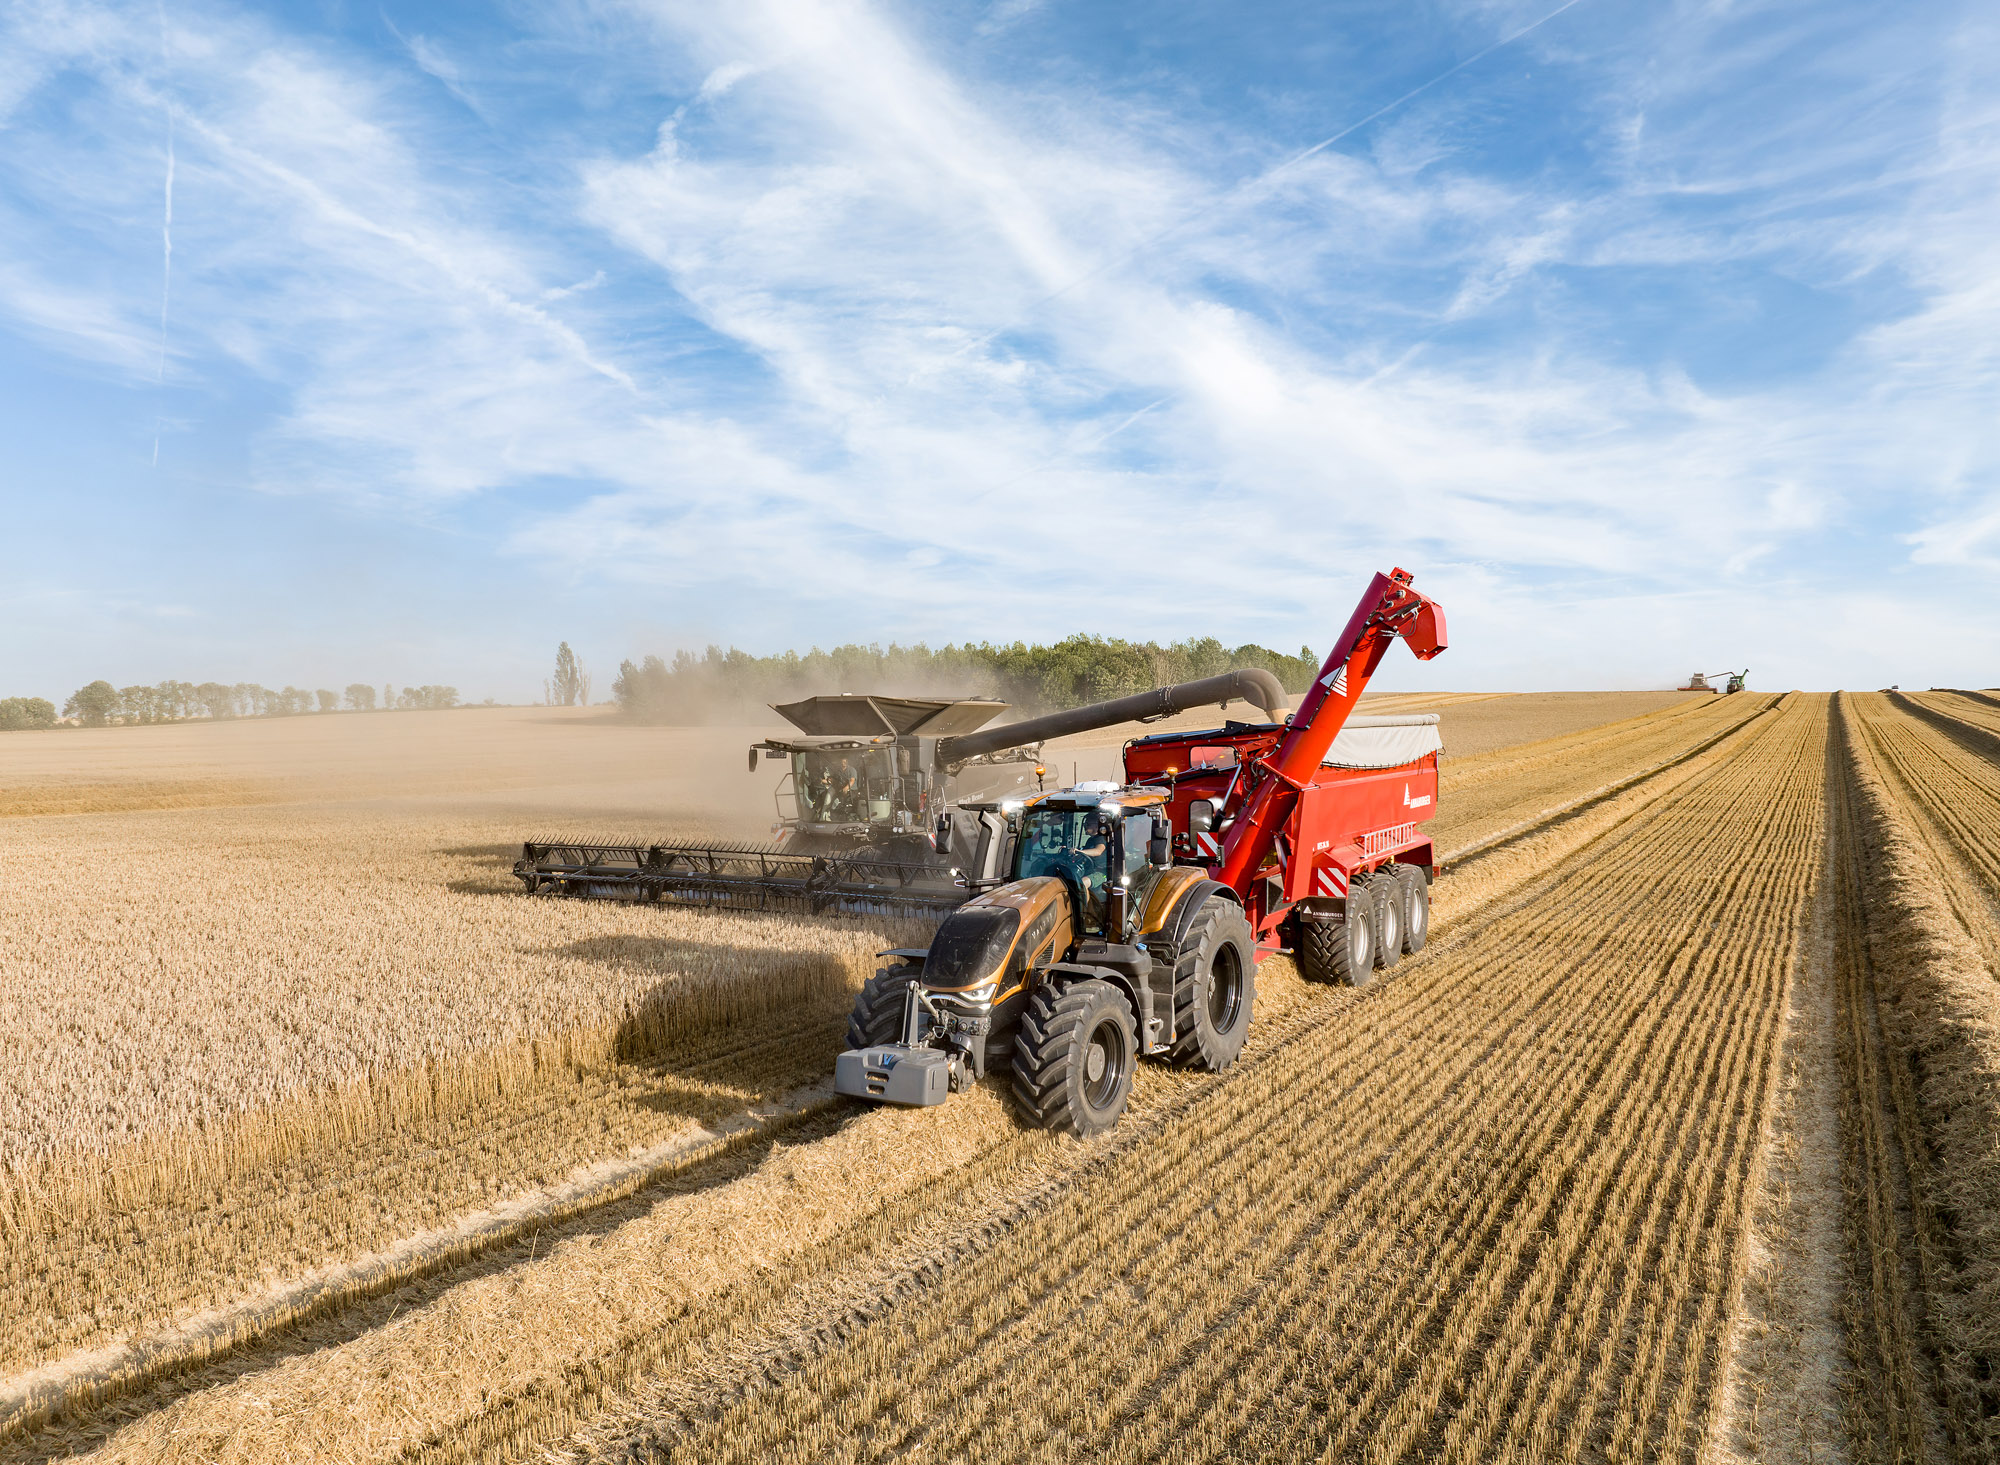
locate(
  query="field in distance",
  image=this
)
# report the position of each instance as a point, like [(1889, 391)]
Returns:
[(413, 1166)]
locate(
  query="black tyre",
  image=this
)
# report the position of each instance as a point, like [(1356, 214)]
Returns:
[(878, 1008), (1416, 907), (1341, 952), (1388, 893), (1074, 1056), (1215, 985)]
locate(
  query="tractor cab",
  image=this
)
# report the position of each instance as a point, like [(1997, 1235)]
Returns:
[(1104, 842)]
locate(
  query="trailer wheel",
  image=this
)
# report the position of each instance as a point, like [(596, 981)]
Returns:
[(1341, 952), (1388, 893), (1416, 891), (878, 1008), (1074, 1056), (1215, 984)]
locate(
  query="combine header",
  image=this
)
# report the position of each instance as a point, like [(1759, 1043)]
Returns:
[(1114, 921), (865, 819)]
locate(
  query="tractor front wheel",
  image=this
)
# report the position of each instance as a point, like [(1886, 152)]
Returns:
[(1074, 1056), (878, 1007)]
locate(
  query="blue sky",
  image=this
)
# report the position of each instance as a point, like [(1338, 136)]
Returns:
[(394, 342)]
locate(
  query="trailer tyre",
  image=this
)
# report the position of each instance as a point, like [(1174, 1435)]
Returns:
[(1341, 952), (1416, 890), (878, 1007), (1388, 893), (1074, 1056), (1215, 985)]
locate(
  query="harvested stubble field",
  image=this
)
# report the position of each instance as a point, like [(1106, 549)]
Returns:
[(339, 1149)]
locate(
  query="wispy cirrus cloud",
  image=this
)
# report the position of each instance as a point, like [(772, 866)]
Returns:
[(812, 319)]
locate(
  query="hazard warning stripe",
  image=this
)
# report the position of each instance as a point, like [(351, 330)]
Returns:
[(1208, 844), (1329, 880)]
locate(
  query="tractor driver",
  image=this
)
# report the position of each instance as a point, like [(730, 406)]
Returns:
[(846, 791)]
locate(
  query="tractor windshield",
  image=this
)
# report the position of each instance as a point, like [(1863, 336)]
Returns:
[(845, 785), (1069, 844)]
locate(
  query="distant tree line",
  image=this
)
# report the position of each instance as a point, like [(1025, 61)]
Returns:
[(99, 704), (17, 714), (726, 685)]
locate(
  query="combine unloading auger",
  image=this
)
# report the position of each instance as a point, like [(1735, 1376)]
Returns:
[(869, 784)]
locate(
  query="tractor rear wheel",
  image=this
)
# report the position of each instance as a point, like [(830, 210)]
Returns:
[(1416, 907), (1388, 893), (1341, 952), (1215, 983), (878, 1007), (1074, 1056)]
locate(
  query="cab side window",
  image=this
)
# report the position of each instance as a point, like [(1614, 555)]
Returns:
[(1140, 873), (1138, 832)]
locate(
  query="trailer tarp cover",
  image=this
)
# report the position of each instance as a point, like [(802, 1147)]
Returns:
[(1384, 742)]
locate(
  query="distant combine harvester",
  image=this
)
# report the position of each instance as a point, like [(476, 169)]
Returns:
[(1700, 681)]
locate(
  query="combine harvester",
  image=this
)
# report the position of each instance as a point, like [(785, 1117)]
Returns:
[(870, 829), (1112, 922), (1699, 681)]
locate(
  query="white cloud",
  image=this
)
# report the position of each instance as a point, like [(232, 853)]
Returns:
[(959, 324), (432, 61), (718, 82)]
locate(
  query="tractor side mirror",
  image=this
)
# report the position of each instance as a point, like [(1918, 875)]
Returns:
[(941, 835), (1159, 849), (753, 760), (1201, 817)]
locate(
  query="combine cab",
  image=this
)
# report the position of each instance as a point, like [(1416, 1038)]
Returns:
[(865, 775)]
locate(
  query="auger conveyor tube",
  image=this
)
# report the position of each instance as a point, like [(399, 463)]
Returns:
[(739, 877), (1257, 686)]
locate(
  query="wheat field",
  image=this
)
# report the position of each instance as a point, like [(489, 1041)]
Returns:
[(339, 1148)]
